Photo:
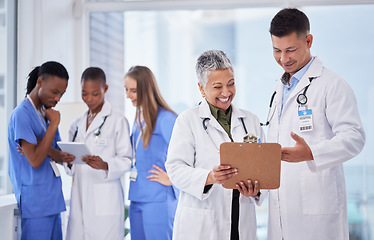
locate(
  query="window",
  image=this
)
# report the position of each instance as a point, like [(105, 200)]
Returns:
[(7, 84)]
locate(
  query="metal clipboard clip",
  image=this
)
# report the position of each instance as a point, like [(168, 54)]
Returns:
[(250, 138)]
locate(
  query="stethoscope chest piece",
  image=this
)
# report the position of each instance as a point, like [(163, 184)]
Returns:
[(302, 99), (97, 132)]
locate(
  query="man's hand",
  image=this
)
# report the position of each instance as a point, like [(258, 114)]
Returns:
[(300, 152), (53, 116)]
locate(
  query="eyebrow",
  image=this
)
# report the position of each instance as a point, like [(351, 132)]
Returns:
[(286, 48), (92, 91)]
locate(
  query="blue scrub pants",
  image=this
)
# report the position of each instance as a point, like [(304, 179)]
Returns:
[(152, 220), (44, 228)]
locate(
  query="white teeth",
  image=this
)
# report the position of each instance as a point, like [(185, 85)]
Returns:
[(223, 99)]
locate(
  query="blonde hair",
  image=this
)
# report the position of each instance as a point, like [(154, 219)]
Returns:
[(149, 100)]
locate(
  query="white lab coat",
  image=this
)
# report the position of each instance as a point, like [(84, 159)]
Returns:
[(311, 201), (191, 156), (97, 205)]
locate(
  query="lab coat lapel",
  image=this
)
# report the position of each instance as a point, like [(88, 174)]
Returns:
[(278, 100), (98, 120), (237, 127)]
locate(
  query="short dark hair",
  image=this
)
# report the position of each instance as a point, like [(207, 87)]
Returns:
[(289, 20), (47, 69), (95, 74)]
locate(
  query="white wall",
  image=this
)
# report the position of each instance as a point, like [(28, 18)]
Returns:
[(48, 30)]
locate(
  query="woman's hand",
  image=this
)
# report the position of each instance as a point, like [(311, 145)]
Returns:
[(249, 189), (159, 175), (19, 149), (95, 162), (220, 174), (66, 157)]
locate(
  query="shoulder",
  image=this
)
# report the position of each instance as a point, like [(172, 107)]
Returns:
[(165, 115), (330, 83), (247, 114), (189, 114), (22, 111), (326, 76), (79, 119), (117, 114), (117, 118)]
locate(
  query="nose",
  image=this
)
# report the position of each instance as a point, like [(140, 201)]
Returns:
[(284, 57), (128, 94), (58, 98), (225, 92)]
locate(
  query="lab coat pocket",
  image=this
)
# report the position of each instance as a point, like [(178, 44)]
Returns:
[(319, 192), (195, 223), (107, 199)]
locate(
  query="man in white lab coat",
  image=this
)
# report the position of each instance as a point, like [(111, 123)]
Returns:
[(314, 117)]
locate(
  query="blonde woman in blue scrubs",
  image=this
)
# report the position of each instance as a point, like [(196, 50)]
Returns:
[(152, 195)]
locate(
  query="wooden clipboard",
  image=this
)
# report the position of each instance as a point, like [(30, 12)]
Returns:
[(255, 161)]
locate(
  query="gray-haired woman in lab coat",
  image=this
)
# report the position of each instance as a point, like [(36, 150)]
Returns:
[(206, 210)]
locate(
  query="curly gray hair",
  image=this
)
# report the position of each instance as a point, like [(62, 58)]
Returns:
[(211, 60)]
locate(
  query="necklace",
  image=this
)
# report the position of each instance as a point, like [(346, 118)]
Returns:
[(90, 117)]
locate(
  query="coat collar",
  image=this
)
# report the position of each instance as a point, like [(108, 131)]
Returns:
[(204, 112), (98, 120), (314, 71)]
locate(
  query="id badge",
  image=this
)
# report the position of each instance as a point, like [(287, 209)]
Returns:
[(101, 142), (55, 168), (305, 120), (133, 174)]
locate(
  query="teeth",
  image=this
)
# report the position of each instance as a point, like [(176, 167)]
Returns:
[(223, 99)]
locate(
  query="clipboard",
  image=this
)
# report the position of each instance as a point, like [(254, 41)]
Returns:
[(255, 161), (78, 149)]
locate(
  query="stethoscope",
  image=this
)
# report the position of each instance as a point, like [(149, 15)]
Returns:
[(96, 132), (301, 99), (211, 139)]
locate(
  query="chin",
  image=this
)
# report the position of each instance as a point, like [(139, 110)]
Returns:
[(224, 106)]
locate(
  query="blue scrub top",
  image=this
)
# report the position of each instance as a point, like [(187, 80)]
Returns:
[(144, 190), (38, 191)]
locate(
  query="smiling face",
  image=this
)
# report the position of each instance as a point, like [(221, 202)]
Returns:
[(292, 52), (93, 93), (131, 90), (220, 88), (50, 90)]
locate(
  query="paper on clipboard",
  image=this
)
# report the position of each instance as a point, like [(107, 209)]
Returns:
[(78, 149), (255, 161)]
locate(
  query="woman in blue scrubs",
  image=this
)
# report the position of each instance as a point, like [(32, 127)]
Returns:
[(152, 195), (33, 127)]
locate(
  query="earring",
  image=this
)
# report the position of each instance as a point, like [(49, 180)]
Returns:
[(203, 95)]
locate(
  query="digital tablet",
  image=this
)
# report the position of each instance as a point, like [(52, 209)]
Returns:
[(254, 161), (78, 149)]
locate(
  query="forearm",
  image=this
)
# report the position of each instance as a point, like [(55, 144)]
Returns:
[(55, 154), (41, 150)]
